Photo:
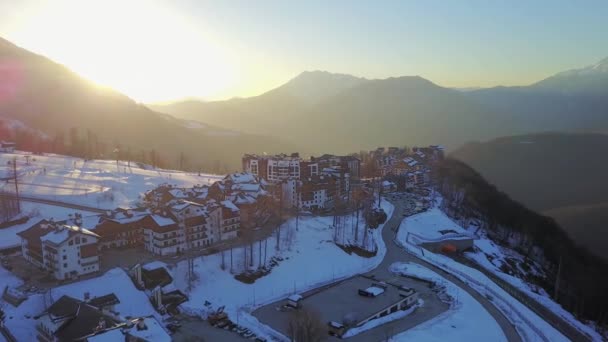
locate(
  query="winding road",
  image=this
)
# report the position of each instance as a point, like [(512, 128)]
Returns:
[(395, 253)]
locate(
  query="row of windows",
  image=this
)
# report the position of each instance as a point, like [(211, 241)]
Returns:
[(77, 240)]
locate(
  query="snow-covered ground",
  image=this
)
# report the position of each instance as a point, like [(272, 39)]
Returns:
[(383, 320), (495, 258), (528, 323), (310, 259), (36, 212), (95, 183), (466, 320), (432, 225), (20, 320)]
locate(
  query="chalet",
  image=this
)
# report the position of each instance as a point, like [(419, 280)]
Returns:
[(121, 228), (65, 251), (69, 319)]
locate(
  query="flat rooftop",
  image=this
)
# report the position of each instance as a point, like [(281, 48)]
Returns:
[(337, 302)]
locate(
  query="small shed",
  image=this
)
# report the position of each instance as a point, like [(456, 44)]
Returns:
[(294, 301), (336, 329)]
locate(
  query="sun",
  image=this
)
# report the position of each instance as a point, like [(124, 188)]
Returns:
[(140, 48)]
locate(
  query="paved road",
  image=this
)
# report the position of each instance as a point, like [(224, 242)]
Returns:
[(395, 253), (56, 203), (556, 321), (433, 306)]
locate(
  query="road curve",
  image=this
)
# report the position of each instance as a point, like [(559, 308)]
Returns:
[(395, 253)]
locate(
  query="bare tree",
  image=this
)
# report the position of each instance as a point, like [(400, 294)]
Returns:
[(305, 326)]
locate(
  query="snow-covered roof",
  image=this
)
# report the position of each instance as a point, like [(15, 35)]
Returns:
[(181, 205), (152, 331), (60, 234), (295, 298), (374, 290), (162, 221), (242, 177), (154, 265), (336, 324), (249, 187), (178, 193), (230, 205)]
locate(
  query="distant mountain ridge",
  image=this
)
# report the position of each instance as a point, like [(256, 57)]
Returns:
[(354, 113), (561, 175), (48, 97), (314, 86)]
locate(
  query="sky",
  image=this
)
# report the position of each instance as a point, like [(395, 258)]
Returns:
[(162, 50)]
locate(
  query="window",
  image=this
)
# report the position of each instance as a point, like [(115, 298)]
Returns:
[(71, 243), (84, 240), (77, 240), (65, 265), (65, 257)]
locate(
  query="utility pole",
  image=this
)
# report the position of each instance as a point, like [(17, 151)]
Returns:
[(16, 184), (278, 247)]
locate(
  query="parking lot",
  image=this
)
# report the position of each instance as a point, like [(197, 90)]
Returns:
[(196, 330), (341, 300)]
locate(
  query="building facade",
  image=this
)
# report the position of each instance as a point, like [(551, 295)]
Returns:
[(65, 251)]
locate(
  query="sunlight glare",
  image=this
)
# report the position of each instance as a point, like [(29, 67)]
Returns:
[(140, 48)]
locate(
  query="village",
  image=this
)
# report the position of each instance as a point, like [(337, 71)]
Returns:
[(173, 224)]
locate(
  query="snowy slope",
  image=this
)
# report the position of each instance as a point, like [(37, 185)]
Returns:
[(96, 183), (528, 324), (466, 320), (492, 257), (310, 260)]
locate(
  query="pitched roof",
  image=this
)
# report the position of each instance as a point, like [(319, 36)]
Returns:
[(81, 319), (107, 300), (64, 307), (88, 320)]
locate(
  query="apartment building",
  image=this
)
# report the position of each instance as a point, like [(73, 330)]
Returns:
[(273, 168), (66, 251)]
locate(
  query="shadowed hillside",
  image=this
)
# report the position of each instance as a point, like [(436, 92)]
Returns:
[(352, 113), (50, 98), (563, 175)]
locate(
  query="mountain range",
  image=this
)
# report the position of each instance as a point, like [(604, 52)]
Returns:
[(48, 97), (355, 113), (315, 112)]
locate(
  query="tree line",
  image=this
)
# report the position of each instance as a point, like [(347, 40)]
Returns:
[(576, 279)]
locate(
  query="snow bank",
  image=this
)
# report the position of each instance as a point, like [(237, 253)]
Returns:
[(528, 323), (466, 320), (492, 257), (310, 260), (383, 320)]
